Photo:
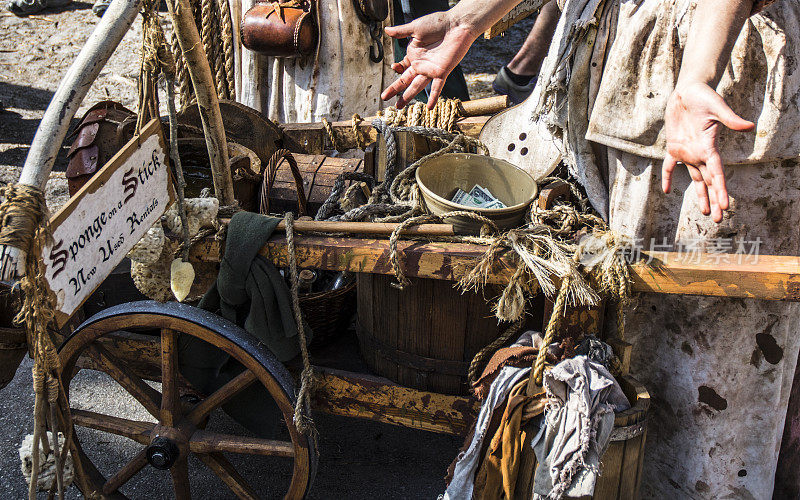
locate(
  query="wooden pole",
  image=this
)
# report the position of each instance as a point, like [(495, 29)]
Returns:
[(73, 88), (65, 102), (206, 94), (373, 228), (485, 106)]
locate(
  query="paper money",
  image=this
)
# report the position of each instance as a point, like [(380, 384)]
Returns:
[(478, 197), (462, 198), (486, 198)]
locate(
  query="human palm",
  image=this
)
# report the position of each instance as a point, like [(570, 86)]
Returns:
[(437, 45), (691, 122)]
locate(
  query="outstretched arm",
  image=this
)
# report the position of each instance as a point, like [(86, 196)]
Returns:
[(438, 43), (695, 110)]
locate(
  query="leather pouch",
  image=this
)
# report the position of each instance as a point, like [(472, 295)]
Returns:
[(371, 10), (281, 29), (98, 137)]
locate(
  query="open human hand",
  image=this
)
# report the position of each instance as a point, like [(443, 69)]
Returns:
[(437, 45), (691, 121)]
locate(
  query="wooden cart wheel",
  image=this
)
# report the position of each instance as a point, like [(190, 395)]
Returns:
[(180, 428)]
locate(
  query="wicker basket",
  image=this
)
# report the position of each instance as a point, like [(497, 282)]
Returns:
[(328, 313)]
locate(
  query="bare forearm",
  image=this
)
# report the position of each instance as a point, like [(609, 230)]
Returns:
[(714, 31), (478, 16)]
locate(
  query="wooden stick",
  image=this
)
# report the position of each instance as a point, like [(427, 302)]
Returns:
[(207, 101), (65, 102), (485, 106), (376, 228), (73, 88)]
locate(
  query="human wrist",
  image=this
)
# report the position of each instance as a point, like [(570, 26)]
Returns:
[(466, 21), (474, 17)]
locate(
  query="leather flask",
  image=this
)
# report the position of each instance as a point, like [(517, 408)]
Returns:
[(280, 29)]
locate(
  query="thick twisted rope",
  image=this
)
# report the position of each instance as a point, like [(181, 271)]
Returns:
[(329, 206), (443, 115), (331, 136), (394, 253), (21, 216), (218, 62), (553, 326), (356, 122), (226, 25), (207, 32), (302, 418)]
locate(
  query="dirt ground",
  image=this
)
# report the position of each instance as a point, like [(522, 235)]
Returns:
[(358, 459)]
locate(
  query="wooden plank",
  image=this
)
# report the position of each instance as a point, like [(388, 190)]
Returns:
[(364, 310), (375, 398), (311, 138), (607, 487), (772, 277), (524, 9), (630, 467)]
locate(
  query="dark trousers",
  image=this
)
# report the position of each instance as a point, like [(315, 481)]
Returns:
[(455, 87)]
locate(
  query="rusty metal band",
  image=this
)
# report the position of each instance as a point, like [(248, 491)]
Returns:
[(628, 432)]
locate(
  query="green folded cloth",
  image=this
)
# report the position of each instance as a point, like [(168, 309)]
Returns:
[(250, 292)]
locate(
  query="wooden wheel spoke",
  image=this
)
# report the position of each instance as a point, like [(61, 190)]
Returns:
[(126, 473), (210, 442), (225, 471), (136, 387), (180, 479), (170, 398), (131, 429), (221, 396)]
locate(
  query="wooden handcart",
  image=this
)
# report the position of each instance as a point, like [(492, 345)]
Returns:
[(138, 342)]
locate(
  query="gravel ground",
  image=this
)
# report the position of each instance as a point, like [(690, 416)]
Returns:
[(359, 459)]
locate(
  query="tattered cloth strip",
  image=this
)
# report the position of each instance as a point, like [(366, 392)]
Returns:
[(582, 400), (22, 215), (499, 472), (466, 465)]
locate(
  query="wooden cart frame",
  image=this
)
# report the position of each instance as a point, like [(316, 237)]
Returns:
[(106, 342)]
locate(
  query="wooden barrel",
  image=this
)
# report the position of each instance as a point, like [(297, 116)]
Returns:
[(621, 465), (424, 336)]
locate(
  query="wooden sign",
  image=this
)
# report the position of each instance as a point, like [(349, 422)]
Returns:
[(97, 227)]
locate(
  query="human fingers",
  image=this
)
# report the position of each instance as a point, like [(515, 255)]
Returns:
[(401, 31), (436, 89), (401, 66), (667, 168), (399, 85), (717, 174), (700, 189), (716, 211), (417, 85), (725, 115)]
